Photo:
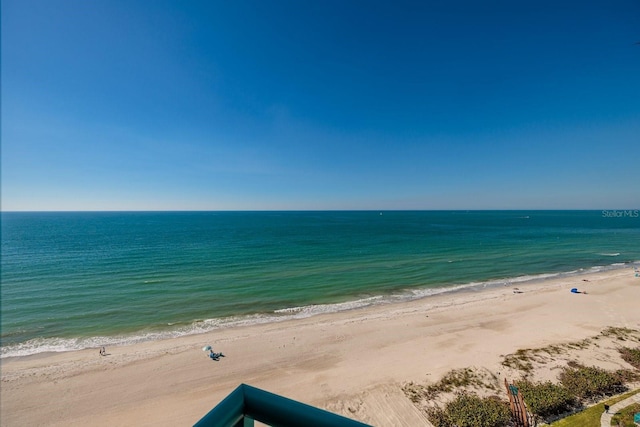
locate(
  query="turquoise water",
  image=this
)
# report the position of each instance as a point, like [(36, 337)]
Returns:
[(77, 280)]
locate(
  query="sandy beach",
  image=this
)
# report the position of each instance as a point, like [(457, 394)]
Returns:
[(351, 362)]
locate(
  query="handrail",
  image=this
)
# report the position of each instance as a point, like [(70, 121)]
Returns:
[(246, 404)]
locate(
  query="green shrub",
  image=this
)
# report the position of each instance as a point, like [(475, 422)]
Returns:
[(625, 416), (439, 417), (454, 380), (591, 415), (468, 410), (590, 382), (631, 356), (626, 376), (546, 399), (622, 334), (520, 360)]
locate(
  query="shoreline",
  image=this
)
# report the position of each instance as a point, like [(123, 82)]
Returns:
[(332, 360), (62, 345)]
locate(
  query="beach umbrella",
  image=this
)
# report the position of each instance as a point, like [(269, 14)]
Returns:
[(206, 348)]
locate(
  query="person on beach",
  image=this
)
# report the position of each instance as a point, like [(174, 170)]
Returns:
[(103, 351), (215, 356)]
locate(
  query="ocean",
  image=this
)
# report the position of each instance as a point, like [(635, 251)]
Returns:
[(74, 280)]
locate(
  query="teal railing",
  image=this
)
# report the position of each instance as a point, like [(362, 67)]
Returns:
[(246, 404)]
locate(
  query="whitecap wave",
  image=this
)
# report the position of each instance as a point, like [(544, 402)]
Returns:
[(44, 345), (311, 310)]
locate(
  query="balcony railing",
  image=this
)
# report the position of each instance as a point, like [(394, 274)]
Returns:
[(246, 404)]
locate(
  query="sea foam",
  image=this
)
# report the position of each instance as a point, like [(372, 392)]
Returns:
[(44, 345)]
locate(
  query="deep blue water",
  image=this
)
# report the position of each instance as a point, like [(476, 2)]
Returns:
[(76, 280)]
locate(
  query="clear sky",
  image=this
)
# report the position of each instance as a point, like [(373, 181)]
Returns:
[(329, 104)]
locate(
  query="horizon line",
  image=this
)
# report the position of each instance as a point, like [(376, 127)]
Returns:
[(318, 210)]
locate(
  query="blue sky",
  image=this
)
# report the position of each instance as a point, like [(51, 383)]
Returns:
[(332, 104)]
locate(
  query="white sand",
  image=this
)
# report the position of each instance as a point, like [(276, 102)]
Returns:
[(351, 362)]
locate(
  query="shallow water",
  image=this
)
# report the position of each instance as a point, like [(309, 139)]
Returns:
[(77, 280)]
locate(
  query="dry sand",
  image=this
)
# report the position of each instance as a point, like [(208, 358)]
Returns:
[(351, 362)]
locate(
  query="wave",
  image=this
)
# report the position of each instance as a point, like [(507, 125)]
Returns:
[(45, 345), (312, 310), (611, 254)]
